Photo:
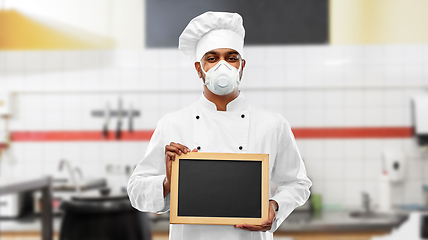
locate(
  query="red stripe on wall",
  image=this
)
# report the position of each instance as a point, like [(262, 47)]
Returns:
[(145, 135), (25, 136), (354, 132)]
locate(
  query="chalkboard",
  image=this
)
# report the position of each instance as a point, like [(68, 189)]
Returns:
[(273, 22), (220, 188)]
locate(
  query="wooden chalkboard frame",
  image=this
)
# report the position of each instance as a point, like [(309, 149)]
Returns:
[(263, 158)]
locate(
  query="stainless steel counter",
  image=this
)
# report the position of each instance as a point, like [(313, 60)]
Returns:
[(327, 221), (339, 221)]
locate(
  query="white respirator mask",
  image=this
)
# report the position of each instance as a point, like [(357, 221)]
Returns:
[(223, 78)]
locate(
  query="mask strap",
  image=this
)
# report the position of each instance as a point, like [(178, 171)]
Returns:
[(202, 68), (239, 69)]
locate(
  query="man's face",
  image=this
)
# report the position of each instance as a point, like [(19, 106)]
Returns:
[(211, 58)]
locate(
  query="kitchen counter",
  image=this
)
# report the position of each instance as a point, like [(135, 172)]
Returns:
[(339, 221), (327, 221), (12, 185)]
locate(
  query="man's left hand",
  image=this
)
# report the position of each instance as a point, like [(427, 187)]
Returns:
[(266, 225)]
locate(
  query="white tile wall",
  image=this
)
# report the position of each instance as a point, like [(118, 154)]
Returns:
[(352, 192), (312, 86)]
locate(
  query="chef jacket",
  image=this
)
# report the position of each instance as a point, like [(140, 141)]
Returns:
[(242, 128)]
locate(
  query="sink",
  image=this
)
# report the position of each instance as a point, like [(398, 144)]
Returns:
[(85, 184)]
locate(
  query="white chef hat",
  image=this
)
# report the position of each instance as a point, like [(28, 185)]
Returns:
[(212, 30)]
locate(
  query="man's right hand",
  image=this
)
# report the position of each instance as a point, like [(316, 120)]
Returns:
[(170, 151)]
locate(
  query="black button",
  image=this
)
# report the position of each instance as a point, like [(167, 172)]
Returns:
[(242, 116), (240, 147), (197, 117), (199, 148)]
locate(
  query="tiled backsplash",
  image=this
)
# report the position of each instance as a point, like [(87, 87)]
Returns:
[(311, 86)]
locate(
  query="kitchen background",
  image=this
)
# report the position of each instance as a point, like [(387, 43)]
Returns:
[(347, 102)]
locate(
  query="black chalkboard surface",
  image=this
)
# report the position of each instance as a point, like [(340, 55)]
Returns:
[(220, 188)]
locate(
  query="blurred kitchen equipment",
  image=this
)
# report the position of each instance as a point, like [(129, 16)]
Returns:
[(5, 139), (316, 202), (119, 120), (38, 204), (128, 171), (70, 173), (63, 185), (374, 214), (107, 218), (424, 226), (420, 120), (366, 201), (5, 103), (393, 165), (105, 191), (425, 189), (43, 184), (14, 205), (79, 172), (367, 211), (384, 192), (120, 113), (130, 118), (107, 120), (393, 171)]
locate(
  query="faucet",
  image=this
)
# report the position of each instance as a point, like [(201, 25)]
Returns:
[(70, 173), (79, 171), (366, 202)]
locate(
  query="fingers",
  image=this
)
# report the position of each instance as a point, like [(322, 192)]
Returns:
[(176, 148), (267, 222), (170, 154), (250, 227), (266, 225), (170, 151)]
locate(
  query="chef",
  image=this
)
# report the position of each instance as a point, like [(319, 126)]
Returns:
[(222, 121)]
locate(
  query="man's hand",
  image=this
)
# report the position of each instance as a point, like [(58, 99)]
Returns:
[(266, 225), (170, 151)]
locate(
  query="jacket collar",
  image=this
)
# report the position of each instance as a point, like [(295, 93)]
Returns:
[(237, 104)]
